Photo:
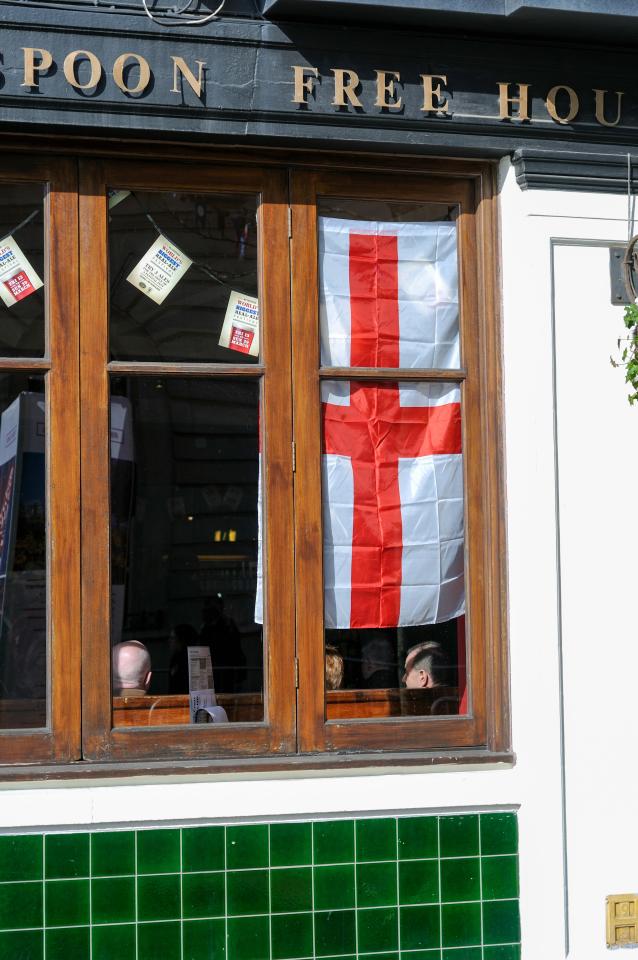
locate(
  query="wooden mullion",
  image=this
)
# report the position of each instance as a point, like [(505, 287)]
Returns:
[(277, 733), (389, 373), (172, 369), (28, 364)]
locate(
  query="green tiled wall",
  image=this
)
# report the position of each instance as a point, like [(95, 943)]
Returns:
[(386, 888)]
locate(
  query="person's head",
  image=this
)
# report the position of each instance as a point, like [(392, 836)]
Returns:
[(131, 667), (334, 668), (425, 666)]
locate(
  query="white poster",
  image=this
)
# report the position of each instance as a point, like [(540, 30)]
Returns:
[(18, 278), (160, 269), (241, 324)]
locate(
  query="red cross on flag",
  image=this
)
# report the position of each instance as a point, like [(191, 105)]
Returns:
[(392, 467)]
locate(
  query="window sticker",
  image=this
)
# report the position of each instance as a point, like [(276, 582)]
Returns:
[(116, 196), (241, 324), (18, 278), (160, 269)]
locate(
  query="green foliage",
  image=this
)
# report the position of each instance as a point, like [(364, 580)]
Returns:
[(628, 349)]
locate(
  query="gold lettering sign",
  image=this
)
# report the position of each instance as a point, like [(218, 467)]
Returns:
[(303, 84), (70, 74), (386, 90), (432, 90), (345, 89), (144, 77), (600, 108), (522, 101), (31, 68), (552, 109), (195, 83)]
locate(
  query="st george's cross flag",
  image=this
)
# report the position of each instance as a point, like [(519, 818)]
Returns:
[(392, 463), (392, 472)]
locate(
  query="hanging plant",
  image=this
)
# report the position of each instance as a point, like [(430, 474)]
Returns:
[(628, 348)]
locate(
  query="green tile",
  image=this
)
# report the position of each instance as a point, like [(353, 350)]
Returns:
[(386, 956), (420, 927), (114, 943), (292, 936), (158, 898), (66, 903), (204, 939), (378, 929), (157, 851), (247, 892), (460, 879), (66, 855), (461, 924), (113, 853), (290, 844), (155, 940), (463, 953), (335, 933), (113, 900), (459, 836), (291, 889), (500, 877), (203, 848), (21, 858), (376, 884), (248, 938), (20, 905), (247, 846), (71, 944), (422, 955), (510, 952), (419, 881), (501, 922), (203, 895), (376, 839), (499, 833), (333, 841), (334, 887), (418, 838), (22, 945)]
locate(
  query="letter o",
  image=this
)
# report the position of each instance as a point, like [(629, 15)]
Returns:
[(118, 73), (574, 104), (69, 69)]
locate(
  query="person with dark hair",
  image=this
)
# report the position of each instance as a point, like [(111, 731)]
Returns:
[(426, 666)]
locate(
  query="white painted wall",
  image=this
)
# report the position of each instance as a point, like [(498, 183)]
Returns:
[(595, 483)]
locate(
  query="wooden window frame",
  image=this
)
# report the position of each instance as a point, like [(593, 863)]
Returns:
[(77, 379), (479, 379), (60, 740)]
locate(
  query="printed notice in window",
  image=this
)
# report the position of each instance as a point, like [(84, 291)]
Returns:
[(18, 278), (160, 269)]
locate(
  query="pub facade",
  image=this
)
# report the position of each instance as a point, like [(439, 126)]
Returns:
[(315, 480)]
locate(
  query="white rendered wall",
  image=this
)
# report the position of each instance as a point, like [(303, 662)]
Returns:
[(534, 784)]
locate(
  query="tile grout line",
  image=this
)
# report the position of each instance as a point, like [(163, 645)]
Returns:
[(226, 951), (44, 898), (90, 899), (438, 848), (356, 895), (269, 899), (396, 837), (480, 846), (181, 895), (137, 912), (312, 888)]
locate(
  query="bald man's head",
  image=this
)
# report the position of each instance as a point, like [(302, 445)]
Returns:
[(131, 667)]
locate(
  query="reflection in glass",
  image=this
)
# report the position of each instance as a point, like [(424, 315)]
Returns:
[(393, 518), (184, 547), (175, 261), (388, 282), (22, 270), (23, 592)]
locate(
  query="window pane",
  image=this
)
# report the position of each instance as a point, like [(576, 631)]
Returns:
[(393, 520), (23, 588), (176, 260), (388, 284), (184, 548), (21, 270)]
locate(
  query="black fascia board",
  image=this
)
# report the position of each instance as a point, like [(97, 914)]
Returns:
[(603, 20)]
